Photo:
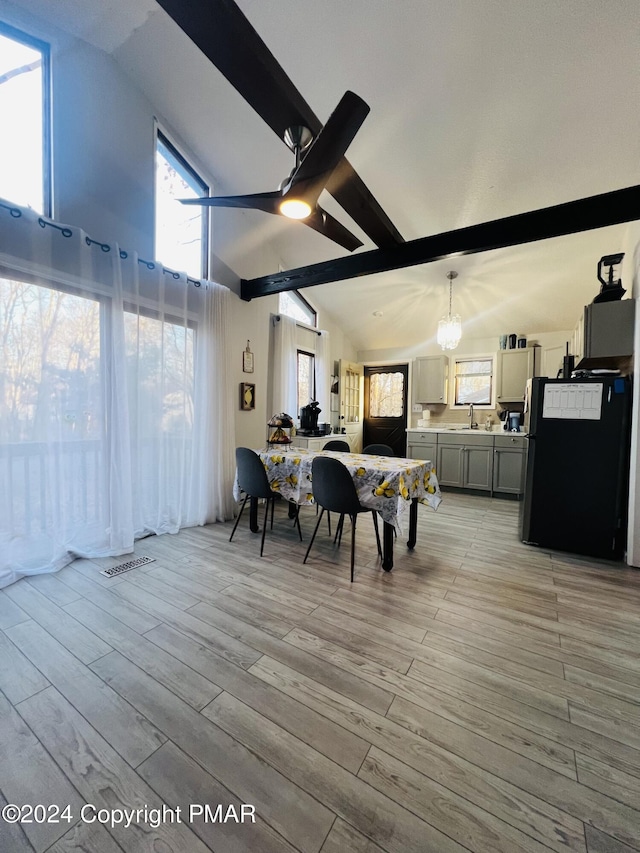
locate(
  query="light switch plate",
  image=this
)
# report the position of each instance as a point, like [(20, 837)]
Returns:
[(416, 408)]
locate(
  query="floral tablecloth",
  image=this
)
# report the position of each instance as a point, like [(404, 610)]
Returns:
[(384, 483)]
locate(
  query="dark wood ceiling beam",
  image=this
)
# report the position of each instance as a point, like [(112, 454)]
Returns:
[(572, 217), (227, 39)]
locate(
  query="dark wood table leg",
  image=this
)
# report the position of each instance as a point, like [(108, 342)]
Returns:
[(413, 525), (387, 546), (253, 515)]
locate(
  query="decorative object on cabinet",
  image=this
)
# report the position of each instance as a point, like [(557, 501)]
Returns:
[(522, 343), (503, 341), (247, 359), (512, 341), (279, 433), (611, 289), (247, 396), (450, 327)]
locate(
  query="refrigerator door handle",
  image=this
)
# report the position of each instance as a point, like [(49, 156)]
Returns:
[(609, 395)]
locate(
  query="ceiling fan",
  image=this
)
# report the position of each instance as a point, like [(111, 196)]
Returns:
[(315, 161)]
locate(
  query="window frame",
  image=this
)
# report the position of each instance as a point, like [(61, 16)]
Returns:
[(44, 48), (489, 357), (304, 305), (312, 374), (161, 136)]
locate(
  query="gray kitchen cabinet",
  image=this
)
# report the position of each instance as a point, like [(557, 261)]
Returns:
[(422, 445), (449, 465), (465, 460), (514, 368), (609, 328), (509, 463), (430, 379)]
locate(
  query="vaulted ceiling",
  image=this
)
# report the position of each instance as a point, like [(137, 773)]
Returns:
[(479, 110)]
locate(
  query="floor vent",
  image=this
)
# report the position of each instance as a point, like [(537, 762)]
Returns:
[(125, 567)]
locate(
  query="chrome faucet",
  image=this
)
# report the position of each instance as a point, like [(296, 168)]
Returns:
[(472, 424)]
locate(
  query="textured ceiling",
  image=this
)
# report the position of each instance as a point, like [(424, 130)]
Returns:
[(479, 110)]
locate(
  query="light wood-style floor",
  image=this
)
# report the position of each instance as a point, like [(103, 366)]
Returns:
[(483, 696)]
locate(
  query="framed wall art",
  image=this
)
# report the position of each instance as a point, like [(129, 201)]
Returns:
[(247, 396), (247, 360)]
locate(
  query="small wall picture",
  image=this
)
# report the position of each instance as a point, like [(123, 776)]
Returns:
[(247, 396)]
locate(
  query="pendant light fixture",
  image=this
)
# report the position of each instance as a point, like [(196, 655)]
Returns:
[(450, 327)]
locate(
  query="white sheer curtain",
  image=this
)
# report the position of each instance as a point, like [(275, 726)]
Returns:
[(285, 366), (115, 400), (323, 376)]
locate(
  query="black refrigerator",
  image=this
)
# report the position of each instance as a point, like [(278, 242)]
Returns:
[(576, 487)]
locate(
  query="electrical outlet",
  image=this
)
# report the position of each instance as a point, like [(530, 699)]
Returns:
[(416, 408)]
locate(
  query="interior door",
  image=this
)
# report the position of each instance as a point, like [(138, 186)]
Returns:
[(385, 406), (351, 403)]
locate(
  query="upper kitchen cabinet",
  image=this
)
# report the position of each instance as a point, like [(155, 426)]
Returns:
[(430, 379), (608, 329), (514, 368)]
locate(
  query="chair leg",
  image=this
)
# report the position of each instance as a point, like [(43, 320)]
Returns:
[(353, 542), (264, 526), (298, 521), (246, 498), (375, 524), (273, 503), (329, 522), (338, 536), (314, 535)]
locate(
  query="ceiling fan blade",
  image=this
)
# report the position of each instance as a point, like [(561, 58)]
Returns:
[(328, 148), (231, 44), (328, 226), (268, 202)]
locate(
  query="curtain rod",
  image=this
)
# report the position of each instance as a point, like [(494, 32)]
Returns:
[(276, 317), (16, 213)]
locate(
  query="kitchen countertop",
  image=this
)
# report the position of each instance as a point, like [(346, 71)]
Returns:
[(495, 429)]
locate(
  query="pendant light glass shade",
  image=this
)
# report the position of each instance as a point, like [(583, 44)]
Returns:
[(450, 327)]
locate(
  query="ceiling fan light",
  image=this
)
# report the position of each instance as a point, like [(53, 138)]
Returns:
[(295, 208)]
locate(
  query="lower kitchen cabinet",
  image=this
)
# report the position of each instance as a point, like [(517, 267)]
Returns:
[(486, 462), (509, 462), (422, 445), (465, 461)]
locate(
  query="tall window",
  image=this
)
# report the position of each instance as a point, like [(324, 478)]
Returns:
[(473, 381), (296, 306), (24, 107), (306, 378), (181, 230)]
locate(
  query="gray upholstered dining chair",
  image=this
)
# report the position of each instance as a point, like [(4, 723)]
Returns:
[(337, 444), (253, 480), (335, 491), (379, 450)]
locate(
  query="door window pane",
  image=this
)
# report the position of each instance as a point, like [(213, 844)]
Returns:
[(386, 395)]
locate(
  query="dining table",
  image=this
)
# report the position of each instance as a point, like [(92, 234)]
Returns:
[(391, 486)]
